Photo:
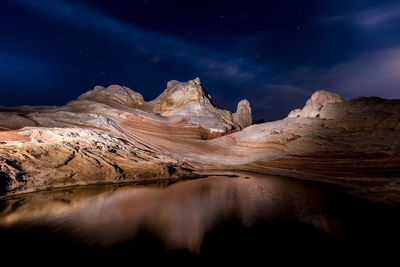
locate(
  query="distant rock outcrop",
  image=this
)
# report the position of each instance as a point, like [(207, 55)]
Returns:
[(315, 104)]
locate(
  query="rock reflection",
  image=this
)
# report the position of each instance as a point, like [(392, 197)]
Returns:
[(179, 215)]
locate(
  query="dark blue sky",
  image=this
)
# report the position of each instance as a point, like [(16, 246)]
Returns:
[(274, 53)]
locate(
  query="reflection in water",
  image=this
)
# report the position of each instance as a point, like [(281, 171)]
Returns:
[(183, 214)]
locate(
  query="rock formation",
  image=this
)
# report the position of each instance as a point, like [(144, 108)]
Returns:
[(180, 100), (315, 104), (111, 135), (114, 95), (243, 116)]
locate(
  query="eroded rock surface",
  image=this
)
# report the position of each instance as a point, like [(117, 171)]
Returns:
[(114, 95), (180, 101), (112, 135)]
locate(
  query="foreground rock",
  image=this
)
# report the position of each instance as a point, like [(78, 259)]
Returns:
[(113, 135), (110, 135)]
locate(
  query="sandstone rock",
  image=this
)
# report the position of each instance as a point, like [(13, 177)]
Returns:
[(179, 101), (178, 95), (188, 100), (192, 101), (313, 106), (114, 94), (108, 136), (323, 97), (243, 116), (353, 142), (13, 121), (295, 113)]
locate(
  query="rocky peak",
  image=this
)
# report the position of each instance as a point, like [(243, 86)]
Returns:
[(180, 100), (197, 80), (178, 95)]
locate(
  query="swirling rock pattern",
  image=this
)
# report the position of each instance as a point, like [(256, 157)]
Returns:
[(112, 135)]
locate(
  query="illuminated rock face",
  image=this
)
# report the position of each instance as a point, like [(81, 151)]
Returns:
[(315, 104), (180, 100), (243, 116), (112, 135), (114, 95)]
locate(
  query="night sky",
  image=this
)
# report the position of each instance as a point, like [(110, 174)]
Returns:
[(274, 53)]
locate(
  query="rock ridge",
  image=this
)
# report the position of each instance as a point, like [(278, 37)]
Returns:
[(180, 100)]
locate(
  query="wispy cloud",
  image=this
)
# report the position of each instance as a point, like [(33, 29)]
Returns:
[(34, 71), (377, 16), (367, 19), (370, 74), (156, 46), (229, 69)]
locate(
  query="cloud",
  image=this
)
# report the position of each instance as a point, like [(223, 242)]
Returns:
[(368, 19), (374, 73), (371, 74), (377, 16), (384, 15), (156, 46), (230, 69), (34, 70)]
